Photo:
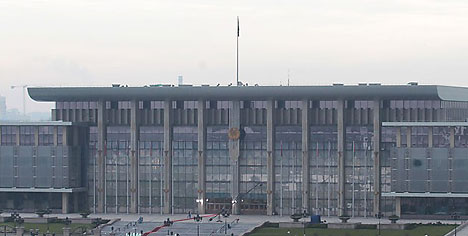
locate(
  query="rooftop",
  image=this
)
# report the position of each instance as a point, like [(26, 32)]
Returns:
[(187, 92)]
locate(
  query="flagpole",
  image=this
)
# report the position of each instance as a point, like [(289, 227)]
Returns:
[(237, 53)]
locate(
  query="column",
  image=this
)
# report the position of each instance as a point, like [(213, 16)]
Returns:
[(234, 150), (270, 157), (201, 157), (430, 137), (55, 135), (65, 135), (305, 156), (36, 136), (376, 152), (451, 158), (452, 137), (341, 157), (167, 157), (134, 137), (18, 143), (101, 172), (65, 203), (398, 137), (398, 206), (408, 137)]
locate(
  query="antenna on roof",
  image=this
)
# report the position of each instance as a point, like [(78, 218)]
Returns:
[(288, 76), (237, 52)]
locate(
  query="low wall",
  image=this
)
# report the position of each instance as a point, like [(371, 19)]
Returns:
[(39, 220), (291, 225), (343, 225), (393, 226)]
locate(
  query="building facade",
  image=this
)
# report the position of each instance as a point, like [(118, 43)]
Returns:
[(41, 166), (328, 150)]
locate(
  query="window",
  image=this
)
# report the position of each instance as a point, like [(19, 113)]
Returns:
[(441, 137), (46, 136), (363, 104), (328, 104), (223, 105), (419, 137), (190, 104), (157, 104), (27, 135), (292, 104), (8, 135), (124, 105)]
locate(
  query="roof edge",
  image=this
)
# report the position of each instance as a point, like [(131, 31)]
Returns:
[(452, 93)]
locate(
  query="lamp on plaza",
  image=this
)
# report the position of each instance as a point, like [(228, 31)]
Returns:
[(225, 214), (379, 216), (198, 219), (455, 217), (305, 215)]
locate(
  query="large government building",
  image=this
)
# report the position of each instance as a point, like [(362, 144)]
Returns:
[(334, 150)]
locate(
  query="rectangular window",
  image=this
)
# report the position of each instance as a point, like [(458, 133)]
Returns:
[(190, 104), (46, 136), (27, 135), (124, 105), (292, 104), (441, 137), (92, 105), (223, 105), (8, 135), (328, 104), (157, 104), (419, 137)]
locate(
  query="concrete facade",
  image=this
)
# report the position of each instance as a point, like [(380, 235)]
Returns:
[(334, 146)]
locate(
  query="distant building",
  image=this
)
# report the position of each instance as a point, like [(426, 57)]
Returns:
[(2, 107), (330, 150), (15, 115)]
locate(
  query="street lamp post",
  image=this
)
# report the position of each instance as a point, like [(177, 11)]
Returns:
[(455, 217), (198, 219), (226, 215), (379, 216), (304, 214)]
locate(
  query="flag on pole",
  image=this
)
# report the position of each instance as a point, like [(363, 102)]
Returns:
[(238, 27)]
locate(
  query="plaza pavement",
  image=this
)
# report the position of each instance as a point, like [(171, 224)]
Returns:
[(246, 222)]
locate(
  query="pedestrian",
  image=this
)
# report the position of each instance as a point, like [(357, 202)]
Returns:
[(189, 215)]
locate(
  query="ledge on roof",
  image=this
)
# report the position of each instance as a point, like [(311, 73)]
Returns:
[(352, 92)]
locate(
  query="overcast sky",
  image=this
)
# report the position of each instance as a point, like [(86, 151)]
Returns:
[(98, 42)]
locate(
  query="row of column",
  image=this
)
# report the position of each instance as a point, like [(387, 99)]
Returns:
[(234, 152)]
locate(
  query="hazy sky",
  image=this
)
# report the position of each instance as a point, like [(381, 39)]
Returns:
[(97, 42)]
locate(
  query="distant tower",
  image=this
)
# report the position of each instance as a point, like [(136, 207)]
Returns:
[(2, 107), (180, 80)]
